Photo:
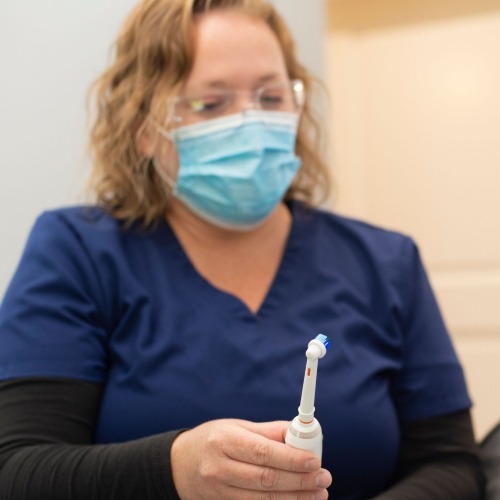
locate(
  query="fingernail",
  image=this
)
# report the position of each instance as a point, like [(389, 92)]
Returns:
[(311, 464), (319, 496), (322, 481)]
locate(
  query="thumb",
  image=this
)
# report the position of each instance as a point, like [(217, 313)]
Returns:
[(275, 430)]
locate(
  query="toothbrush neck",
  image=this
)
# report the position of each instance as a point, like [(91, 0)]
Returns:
[(306, 408)]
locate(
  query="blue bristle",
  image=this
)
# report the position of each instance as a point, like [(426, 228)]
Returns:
[(324, 340)]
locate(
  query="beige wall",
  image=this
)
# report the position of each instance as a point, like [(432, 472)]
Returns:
[(415, 88)]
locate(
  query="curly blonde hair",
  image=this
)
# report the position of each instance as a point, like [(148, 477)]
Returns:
[(153, 58)]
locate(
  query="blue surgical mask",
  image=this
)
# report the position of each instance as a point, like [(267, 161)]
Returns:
[(234, 170)]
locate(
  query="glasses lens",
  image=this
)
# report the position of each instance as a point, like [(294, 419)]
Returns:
[(277, 97), (203, 106)]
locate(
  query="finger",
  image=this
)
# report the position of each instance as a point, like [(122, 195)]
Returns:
[(277, 495), (255, 477), (258, 450), (272, 430)]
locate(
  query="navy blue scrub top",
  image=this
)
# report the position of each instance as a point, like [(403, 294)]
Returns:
[(128, 309)]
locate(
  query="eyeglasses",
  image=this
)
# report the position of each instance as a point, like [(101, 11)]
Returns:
[(214, 103)]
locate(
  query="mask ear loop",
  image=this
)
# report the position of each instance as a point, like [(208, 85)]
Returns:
[(171, 184)]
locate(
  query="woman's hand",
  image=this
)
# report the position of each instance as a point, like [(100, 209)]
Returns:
[(239, 460)]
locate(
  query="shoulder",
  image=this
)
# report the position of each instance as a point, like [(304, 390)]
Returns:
[(74, 233), (77, 218), (85, 223), (353, 236), (90, 233)]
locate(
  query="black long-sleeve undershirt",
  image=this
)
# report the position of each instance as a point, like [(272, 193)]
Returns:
[(47, 451)]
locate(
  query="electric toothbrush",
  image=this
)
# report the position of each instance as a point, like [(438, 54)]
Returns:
[(304, 431)]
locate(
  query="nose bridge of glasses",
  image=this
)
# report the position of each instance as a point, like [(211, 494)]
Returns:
[(246, 100)]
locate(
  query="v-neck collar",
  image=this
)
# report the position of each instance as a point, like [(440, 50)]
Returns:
[(277, 290)]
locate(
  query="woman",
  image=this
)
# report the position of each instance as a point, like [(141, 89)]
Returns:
[(152, 346)]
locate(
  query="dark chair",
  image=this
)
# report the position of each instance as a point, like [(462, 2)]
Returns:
[(490, 448)]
